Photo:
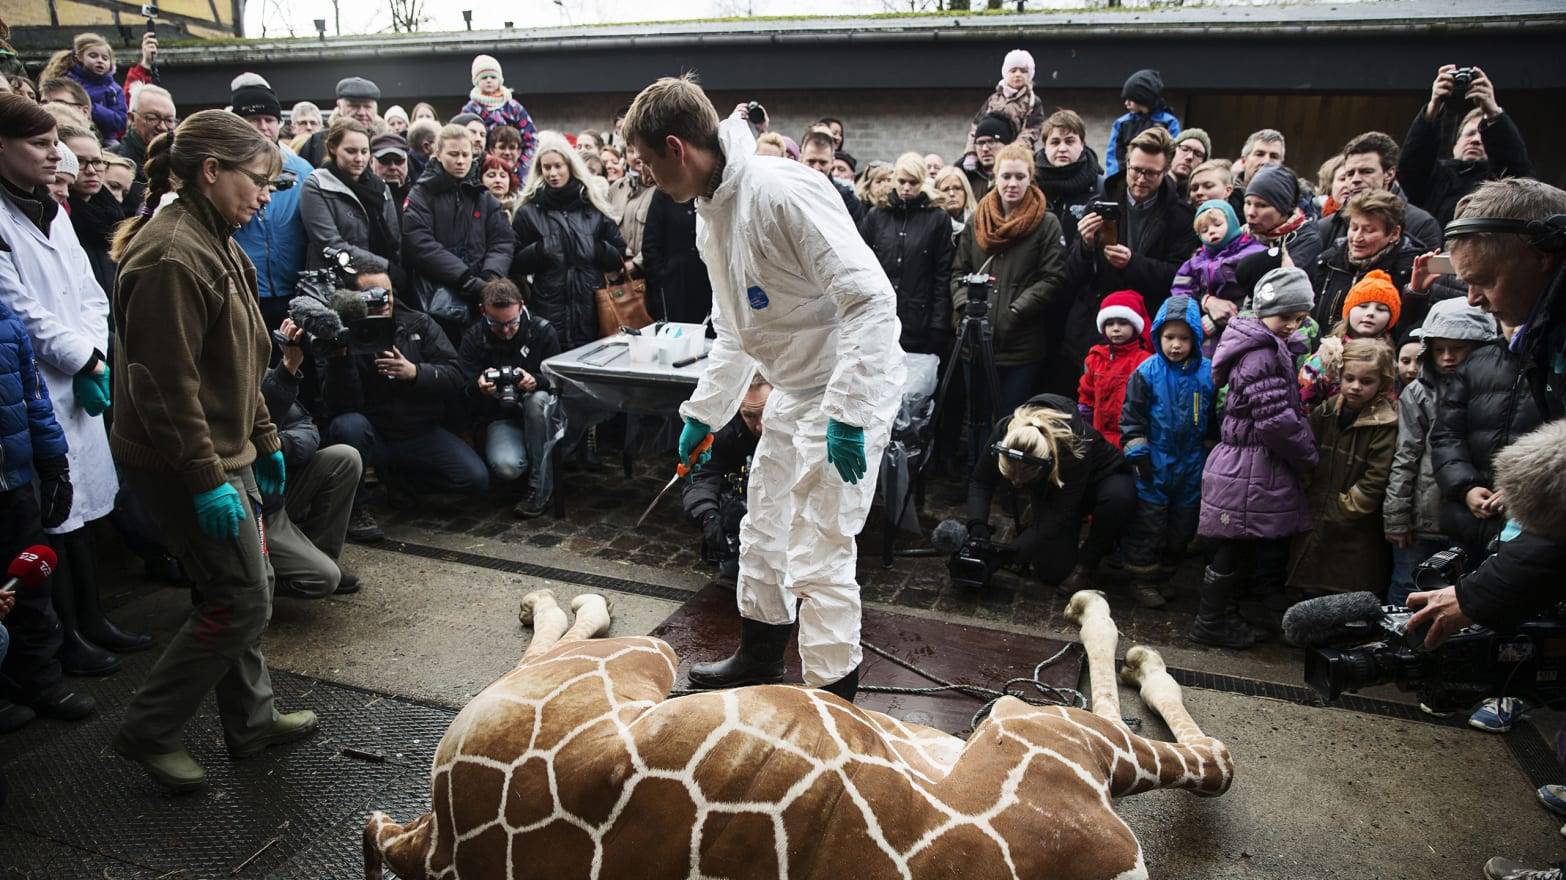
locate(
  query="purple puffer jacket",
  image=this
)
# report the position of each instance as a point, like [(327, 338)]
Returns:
[(1213, 274), (108, 102), (1251, 486)]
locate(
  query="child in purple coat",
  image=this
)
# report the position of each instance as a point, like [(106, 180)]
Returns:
[(493, 103), (93, 69), (1208, 277), (1252, 484)]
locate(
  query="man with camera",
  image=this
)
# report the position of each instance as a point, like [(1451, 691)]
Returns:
[(1134, 240), (715, 496), (1488, 145), (501, 358), (306, 525), (389, 405)]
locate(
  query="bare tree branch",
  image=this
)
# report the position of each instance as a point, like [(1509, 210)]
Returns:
[(406, 15)]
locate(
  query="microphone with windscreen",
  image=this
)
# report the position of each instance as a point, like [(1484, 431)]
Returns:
[(1325, 619), (30, 568)]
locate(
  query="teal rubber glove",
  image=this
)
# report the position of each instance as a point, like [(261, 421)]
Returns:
[(846, 450), (219, 511), (270, 473), (690, 437), (91, 394), (106, 384)]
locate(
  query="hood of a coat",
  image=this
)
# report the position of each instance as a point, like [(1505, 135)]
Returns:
[(1179, 308), (898, 205), (436, 179), (1451, 319), (1243, 335)]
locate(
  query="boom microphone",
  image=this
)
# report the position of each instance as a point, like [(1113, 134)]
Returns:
[(949, 536), (30, 568), (1321, 620), (316, 319), (349, 306)]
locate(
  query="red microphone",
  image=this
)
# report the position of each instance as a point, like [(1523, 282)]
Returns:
[(30, 568)]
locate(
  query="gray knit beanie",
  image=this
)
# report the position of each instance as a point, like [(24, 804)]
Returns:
[(1283, 291), (1276, 186)]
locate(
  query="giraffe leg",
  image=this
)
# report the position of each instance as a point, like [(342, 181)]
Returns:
[(592, 618), (403, 848), (1088, 610), (549, 622), (1145, 669)]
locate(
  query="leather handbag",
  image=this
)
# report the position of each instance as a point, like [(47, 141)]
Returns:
[(622, 305), (440, 302)]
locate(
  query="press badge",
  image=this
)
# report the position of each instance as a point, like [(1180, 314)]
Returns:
[(758, 298)]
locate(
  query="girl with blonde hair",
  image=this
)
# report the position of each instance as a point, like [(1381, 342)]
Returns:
[(90, 63), (1068, 472)]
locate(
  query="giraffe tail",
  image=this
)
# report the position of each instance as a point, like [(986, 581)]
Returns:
[(402, 848)]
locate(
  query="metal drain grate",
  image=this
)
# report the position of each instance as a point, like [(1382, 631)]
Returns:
[(511, 566), (1306, 697)]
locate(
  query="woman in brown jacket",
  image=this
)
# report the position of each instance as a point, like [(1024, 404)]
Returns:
[(193, 438)]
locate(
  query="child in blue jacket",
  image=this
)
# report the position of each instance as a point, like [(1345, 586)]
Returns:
[(1143, 95), (1165, 424)]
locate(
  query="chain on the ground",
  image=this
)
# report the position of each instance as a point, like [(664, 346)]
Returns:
[(1047, 694)]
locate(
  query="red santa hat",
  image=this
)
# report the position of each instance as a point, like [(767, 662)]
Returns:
[(1126, 305)]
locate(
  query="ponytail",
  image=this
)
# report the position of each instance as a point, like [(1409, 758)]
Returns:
[(160, 182), (1042, 432)]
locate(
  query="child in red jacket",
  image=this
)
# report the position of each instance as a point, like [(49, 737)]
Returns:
[(1122, 320)]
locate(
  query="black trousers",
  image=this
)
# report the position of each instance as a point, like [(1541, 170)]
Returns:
[(32, 664), (1111, 502)]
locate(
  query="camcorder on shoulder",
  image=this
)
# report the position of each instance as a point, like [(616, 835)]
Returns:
[(1378, 647)]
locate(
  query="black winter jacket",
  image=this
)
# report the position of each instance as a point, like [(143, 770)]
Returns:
[(1332, 276), (1483, 407), (566, 245), (678, 287), (295, 429), (913, 242), (1166, 240), (94, 220), (535, 342), (453, 231), (1069, 186), (1055, 510), (731, 448), (397, 408), (1436, 183)]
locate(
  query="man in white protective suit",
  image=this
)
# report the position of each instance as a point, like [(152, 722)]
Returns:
[(797, 294)]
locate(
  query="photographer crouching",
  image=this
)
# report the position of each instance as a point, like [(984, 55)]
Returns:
[(390, 405), (1070, 472), (501, 358), (715, 496)]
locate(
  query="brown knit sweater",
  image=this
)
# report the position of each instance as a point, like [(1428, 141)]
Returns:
[(190, 350)]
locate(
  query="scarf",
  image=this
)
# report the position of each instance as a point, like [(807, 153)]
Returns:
[(490, 102), (371, 193), (37, 205), (561, 198), (997, 233), (95, 218), (1283, 229), (1065, 182), (1371, 260)]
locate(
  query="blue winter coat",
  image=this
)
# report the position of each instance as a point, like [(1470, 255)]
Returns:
[(1128, 126), (275, 239), (1168, 414), (108, 102), (28, 430)]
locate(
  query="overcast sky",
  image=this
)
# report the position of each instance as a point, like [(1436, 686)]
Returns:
[(372, 16)]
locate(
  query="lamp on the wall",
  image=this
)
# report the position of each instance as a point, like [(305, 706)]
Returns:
[(467, 17), (320, 28)]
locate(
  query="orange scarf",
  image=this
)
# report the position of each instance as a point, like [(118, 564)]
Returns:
[(996, 232)]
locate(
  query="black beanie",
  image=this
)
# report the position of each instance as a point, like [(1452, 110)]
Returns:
[(1146, 87), (998, 126), (255, 100)]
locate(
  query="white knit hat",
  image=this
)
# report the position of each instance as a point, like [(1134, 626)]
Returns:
[(68, 163), (483, 64), (1018, 58), (395, 111)]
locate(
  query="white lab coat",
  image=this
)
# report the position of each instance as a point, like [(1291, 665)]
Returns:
[(48, 282), (797, 294)]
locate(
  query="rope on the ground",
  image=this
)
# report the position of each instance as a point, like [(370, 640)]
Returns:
[(1046, 694)]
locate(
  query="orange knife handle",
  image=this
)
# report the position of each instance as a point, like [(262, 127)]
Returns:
[(685, 468)]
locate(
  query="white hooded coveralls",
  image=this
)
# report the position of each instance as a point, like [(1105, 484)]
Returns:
[(797, 294)]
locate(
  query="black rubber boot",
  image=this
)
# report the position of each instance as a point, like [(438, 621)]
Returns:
[(79, 655), (98, 629), (846, 687), (1215, 624), (759, 659)]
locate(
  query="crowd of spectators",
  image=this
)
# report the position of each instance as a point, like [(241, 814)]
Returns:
[(1192, 352)]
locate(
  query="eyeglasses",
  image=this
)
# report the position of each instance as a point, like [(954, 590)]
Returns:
[(1194, 151), (94, 164), (157, 120), (1144, 173), (503, 325), (284, 181)]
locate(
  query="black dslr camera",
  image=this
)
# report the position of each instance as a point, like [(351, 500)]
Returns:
[(1102, 207), (1462, 78), (1474, 663), (505, 380), (756, 113)]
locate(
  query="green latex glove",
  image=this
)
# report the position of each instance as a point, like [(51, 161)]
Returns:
[(690, 437), (846, 450), (91, 394), (219, 511), (270, 473)]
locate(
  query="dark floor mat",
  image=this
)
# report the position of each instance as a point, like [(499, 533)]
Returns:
[(707, 627)]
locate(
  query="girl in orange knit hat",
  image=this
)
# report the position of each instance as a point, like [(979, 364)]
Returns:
[(1370, 311)]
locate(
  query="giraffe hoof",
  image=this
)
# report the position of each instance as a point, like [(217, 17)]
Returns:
[(592, 605), (531, 602), (1141, 661), (1082, 602)]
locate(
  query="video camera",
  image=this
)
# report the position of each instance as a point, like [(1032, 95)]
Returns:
[(1378, 647), (976, 561), (505, 380)]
